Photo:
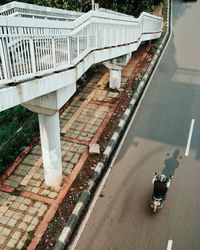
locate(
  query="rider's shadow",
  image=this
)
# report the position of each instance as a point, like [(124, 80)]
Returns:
[(171, 163)]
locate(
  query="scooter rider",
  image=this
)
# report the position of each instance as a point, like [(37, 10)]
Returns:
[(161, 185)]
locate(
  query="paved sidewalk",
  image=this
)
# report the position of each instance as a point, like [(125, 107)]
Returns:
[(26, 203)]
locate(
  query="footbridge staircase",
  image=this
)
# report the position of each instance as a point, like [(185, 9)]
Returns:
[(44, 51)]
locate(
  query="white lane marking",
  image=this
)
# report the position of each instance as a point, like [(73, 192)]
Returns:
[(189, 138), (169, 245)]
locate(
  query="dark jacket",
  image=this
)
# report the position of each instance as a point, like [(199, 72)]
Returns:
[(160, 189)]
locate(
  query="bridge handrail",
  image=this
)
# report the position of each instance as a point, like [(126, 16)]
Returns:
[(39, 47), (18, 7)]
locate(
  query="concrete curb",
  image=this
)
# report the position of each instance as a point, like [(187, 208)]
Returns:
[(84, 199)]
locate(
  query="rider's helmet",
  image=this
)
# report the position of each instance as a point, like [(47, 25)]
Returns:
[(162, 178)]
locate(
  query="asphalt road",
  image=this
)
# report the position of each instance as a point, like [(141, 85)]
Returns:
[(158, 140)]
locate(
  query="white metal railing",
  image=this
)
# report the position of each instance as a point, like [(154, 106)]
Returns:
[(34, 11), (32, 47)]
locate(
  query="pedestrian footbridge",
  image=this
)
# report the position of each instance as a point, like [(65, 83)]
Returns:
[(44, 51)]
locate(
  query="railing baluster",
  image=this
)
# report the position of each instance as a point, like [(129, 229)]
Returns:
[(53, 52), (4, 73), (69, 49), (78, 46), (32, 54)]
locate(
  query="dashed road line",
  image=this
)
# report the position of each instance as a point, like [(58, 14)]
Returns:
[(169, 245), (187, 151)]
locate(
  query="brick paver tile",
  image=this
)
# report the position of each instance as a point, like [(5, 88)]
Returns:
[(24, 167), (16, 235), (15, 178), (34, 221), (11, 243), (17, 216), (45, 192), (27, 218), (11, 183), (9, 213), (22, 207), (3, 209), (31, 227), (38, 204), (4, 220), (12, 222), (52, 195), (20, 245), (32, 210), (43, 207), (2, 239), (27, 201), (22, 226), (35, 190), (20, 199), (5, 231)]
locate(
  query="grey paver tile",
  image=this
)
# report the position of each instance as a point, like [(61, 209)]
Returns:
[(38, 204), (2, 239), (12, 222), (27, 218), (19, 199), (11, 183), (24, 167), (21, 172), (20, 245), (45, 192), (4, 220), (11, 243), (15, 178), (27, 201), (16, 235), (17, 216), (5, 231), (22, 207), (34, 221), (35, 190), (9, 213), (52, 195), (30, 227), (23, 226), (32, 210)]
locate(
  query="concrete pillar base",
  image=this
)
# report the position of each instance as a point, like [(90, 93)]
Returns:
[(116, 65), (115, 79), (51, 149)]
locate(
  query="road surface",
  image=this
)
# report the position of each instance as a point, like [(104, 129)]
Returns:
[(164, 137)]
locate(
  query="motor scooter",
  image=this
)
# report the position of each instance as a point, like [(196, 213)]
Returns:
[(158, 200)]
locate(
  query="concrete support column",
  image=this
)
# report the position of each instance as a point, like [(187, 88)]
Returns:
[(116, 65), (51, 149)]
